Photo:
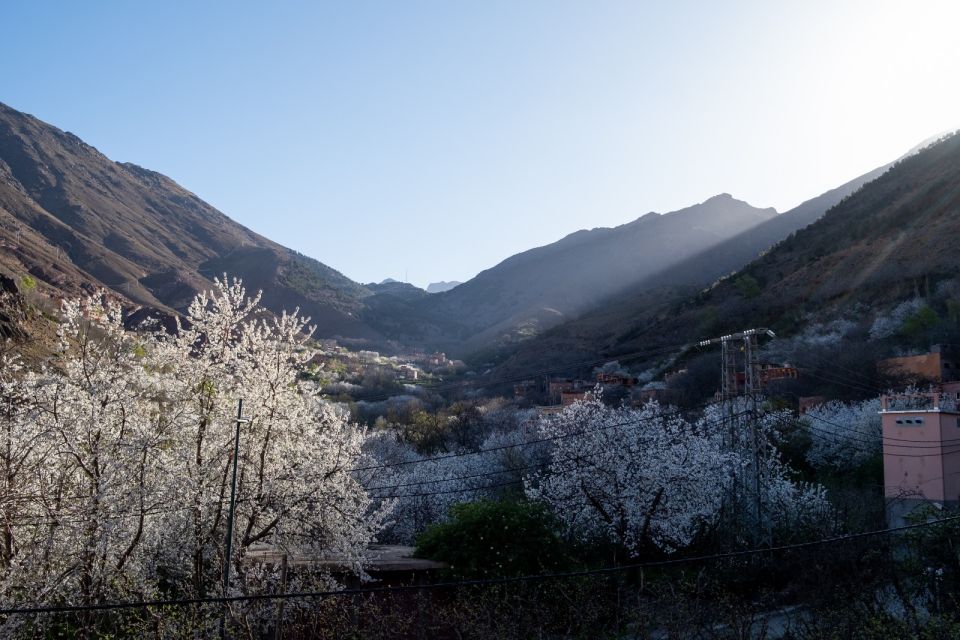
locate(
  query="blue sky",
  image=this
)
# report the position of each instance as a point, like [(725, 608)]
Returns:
[(431, 140)]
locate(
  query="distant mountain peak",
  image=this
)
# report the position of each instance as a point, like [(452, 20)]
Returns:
[(535, 290), (728, 200), (443, 285)]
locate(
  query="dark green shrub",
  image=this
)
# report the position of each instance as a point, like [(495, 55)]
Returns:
[(492, 539)]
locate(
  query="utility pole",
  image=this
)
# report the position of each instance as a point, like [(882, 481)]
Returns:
[(278, 619), (228, 554)]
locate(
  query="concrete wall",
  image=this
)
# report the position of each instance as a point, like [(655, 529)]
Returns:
[(950, 437), (928, 366), (921, 460), (912, 460)]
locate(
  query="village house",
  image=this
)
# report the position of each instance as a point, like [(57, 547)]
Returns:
[(941, 364), (525, 389), (569, 397), (768, 372), (408, 372), (558, 386), (921, 459), (618, 379), (659, 393), (438, 359), (773, 372), (368, 356)]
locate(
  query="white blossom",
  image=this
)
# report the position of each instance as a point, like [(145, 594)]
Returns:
[(844, 435), (120, 449), (887, 324), (637, 477)]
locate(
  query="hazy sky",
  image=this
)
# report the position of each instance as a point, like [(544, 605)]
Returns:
[(437, 138)]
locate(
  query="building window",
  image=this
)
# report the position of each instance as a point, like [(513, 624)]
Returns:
[(915, 420)]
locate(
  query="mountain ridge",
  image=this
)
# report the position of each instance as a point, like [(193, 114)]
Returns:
[(74, 219), (543, 286), (889, 230)]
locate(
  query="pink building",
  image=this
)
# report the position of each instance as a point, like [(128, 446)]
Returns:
[(921, 452)]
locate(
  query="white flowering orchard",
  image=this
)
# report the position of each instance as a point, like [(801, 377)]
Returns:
[(650, 479), (115, 456), (641, 477)]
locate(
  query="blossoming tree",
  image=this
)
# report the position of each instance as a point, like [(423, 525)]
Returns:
[(118, 451), (641, 477)]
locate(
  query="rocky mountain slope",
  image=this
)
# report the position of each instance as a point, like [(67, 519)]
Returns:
[(72, 218)]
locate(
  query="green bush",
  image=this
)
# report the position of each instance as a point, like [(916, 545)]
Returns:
[(494, 539), (748, 286), (28, 282), (915, 327)]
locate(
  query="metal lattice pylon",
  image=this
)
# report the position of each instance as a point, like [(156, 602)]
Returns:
[(752, 386)]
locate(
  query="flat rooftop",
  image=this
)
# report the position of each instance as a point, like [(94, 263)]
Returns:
[(386, 558)]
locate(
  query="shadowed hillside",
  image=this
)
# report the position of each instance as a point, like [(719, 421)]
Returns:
[(891, 239), (540, 288)]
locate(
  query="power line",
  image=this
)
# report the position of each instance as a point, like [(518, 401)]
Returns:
[(633, 423), (466, 583), (887, 439), (27, 520), (832, 364), (838, 438), (850, 384), (526, 443)]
